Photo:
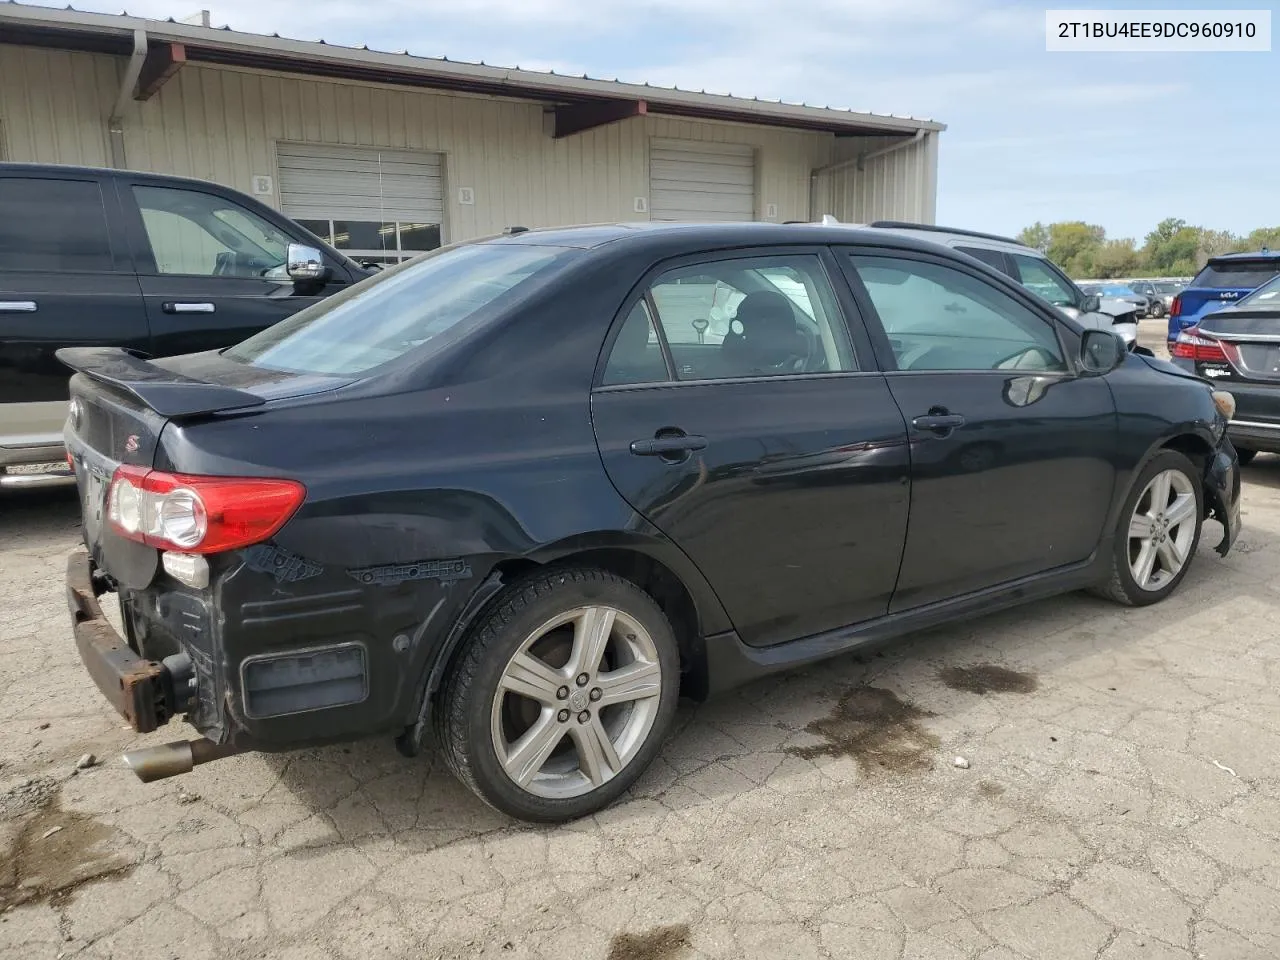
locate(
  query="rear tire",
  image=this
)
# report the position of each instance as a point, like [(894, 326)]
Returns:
[(1158, 532), (1245, 456), (561, 695)]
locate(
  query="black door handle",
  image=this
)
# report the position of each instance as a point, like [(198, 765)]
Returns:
[(667, 445), (940, 423)]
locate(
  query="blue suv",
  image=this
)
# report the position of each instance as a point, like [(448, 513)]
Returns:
[(1223, 281)]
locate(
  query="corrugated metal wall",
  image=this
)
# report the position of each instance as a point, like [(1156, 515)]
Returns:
[(901, 185), (223, 125)]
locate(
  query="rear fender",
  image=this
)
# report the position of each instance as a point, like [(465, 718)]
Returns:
[(709, 612)]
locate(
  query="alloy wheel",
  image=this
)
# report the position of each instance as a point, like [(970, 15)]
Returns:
[(1162, 530), (576, 702)]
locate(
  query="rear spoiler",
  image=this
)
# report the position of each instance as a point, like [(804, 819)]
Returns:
[(168, 394)]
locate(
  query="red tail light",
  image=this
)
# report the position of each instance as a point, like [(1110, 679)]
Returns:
[(198, 514), (1175, 308), (1191, 344)]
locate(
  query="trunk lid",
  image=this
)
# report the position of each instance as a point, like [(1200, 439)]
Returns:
[(1250, 338), (120, 405)]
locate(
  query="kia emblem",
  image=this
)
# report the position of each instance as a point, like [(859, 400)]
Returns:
[(131, 445)]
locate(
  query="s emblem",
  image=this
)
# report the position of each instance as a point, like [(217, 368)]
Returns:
[(131, 445)]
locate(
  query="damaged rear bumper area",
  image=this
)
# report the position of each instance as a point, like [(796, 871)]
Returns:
[(145, 692)]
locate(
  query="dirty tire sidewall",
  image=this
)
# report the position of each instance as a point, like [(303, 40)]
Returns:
[(463, 709), (1121, 586)]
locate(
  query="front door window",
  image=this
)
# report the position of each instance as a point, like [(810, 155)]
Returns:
[(202, 234)]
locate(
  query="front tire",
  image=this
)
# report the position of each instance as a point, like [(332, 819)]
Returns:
[(561, 696), (1158, 532)]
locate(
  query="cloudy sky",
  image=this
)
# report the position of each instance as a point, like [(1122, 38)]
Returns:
[(1116, 139)]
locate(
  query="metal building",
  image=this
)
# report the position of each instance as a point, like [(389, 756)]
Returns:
[(389, 154)]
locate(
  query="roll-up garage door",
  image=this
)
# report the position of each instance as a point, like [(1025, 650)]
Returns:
[(693, 180), (383, 205)]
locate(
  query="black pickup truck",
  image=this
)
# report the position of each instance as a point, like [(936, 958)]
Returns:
[(160, 265)]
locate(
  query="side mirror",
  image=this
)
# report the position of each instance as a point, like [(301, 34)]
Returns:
[(1101, 351), (1091, 304), (304, 263)]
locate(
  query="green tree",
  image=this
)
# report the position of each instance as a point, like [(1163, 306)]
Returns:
[(1164, 231), (1073, 245), (1116, 258), (1268, 237), (1175, 252), (1035, 236)]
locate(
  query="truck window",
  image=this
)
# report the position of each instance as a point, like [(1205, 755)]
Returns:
[(200, 234), (53, 225)]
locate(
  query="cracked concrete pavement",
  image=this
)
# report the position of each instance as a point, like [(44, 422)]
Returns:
[(1122, 802)]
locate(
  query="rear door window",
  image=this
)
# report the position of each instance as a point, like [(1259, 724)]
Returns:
[(1236, 275), (53, 225), (401, 309), (749, 317)]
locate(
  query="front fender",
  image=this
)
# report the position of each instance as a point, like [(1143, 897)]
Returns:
[(1222, 494)]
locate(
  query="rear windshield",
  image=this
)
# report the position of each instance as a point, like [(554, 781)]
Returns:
[(1243, 276), (402, 308)]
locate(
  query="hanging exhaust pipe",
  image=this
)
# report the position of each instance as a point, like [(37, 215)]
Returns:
[(171, 759)]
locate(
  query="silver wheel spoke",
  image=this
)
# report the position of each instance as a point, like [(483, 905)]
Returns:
[(1181, 510), (530, 677), (635, 681), (1146, 561), (1169, 559), (598, 758), (1159, 492), (530, 752), (1174, 552), (591, 633), (1141, 527)]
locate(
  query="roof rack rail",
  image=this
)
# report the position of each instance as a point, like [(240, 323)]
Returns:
[(934, 228)]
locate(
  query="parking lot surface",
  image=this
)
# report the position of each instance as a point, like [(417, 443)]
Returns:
[(1119, 799)]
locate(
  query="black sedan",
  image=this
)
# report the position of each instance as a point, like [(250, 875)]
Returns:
[(525, 492), (1239, 347)]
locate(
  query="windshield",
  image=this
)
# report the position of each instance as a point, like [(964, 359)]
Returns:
[(401, 308), (1267, 295), (1115, 290), (1240, 275), (1168, 287)]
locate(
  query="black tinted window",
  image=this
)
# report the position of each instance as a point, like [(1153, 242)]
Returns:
[(52, 225), (992, 258), (1236, 275)]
